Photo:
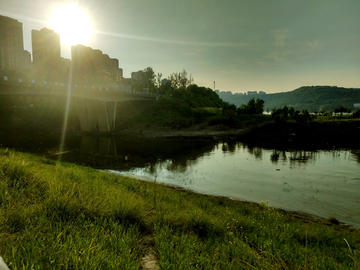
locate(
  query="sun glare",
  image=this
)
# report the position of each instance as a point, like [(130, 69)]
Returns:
[(73, 25)]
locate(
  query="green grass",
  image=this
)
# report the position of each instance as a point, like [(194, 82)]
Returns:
[(62, 216)]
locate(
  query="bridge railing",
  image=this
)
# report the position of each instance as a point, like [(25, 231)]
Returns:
[(127, 89)]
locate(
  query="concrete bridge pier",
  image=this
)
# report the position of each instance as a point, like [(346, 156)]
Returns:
[(87, 116), (106, 114), (97, 115)]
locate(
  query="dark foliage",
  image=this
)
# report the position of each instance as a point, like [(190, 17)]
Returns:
[(356, 114), (285, 114), (196, 96), (252, 107), (342, 110)]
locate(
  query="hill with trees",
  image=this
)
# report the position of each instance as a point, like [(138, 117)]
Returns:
[(311, 98)]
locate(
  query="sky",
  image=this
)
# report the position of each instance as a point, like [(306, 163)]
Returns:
[(242, 45)]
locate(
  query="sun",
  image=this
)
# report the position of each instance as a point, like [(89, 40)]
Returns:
[(73, 25)]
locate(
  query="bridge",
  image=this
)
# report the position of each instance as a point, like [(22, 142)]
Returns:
[(96, 106)]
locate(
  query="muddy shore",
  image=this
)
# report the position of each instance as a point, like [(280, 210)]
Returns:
[(314, 135), (199, 131)]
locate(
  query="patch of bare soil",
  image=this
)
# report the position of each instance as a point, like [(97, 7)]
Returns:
[(149, 261)]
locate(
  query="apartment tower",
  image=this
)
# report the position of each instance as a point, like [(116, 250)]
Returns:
[(46, 51), (11, 44)]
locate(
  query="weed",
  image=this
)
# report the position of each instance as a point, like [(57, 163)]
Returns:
[(352, 255)]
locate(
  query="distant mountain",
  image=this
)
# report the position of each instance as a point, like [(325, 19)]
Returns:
[(311, 98)]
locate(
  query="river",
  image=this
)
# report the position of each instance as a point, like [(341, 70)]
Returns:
[(324, 183)]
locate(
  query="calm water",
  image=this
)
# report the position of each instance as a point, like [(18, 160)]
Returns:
[(321, 183)]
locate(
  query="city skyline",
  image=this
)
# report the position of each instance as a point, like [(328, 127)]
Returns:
[(241, 46)]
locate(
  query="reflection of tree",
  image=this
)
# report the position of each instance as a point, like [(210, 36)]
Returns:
[(336, 153), (300, 157), (174, 155), (278, 155), (256, 151), (153, 168), (180, 164), (229, 147), (274, 157), (356, 154)]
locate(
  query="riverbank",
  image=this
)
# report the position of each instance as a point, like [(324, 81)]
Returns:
[(339, 133), (202, 131), (60, 215)]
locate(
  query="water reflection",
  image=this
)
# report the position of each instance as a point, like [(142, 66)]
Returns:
[(256, 151), (277, 156), (229, 147), (302, 158), (179, 154), (125, 152), (356, 154), (98, 146)]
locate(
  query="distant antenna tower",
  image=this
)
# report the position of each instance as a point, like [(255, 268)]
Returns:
[(214, 85)]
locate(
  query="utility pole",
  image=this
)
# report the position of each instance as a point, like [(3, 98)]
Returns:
[(214, 85)]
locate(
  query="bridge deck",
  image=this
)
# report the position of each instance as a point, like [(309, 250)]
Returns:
[(102, 93)]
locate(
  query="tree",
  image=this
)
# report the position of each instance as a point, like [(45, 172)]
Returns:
[(180, 80), (284, 114), (158, 80), (252, 107), (342, 110), (148, 79), (229, 109)]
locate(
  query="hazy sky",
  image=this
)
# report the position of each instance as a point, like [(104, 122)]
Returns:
[(243, 45)]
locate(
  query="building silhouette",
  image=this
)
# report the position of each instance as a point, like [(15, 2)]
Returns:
[(46, 53), (11, 44), (87, 65), (91, 65), (27, 60)]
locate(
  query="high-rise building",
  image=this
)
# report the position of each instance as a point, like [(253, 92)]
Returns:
[(26, 59), (92, 65), (65, 68), (46, 50), (117, 72), (137, 76), (86, 63), (11, 44)]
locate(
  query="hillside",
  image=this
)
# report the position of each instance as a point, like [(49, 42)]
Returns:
[(312, 98)]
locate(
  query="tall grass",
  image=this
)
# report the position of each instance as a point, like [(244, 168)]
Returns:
[(62, 216)]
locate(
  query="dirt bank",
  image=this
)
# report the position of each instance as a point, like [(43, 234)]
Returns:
[(198, 131), (339, 134)]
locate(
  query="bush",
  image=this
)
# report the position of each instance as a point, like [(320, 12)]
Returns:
[(252, 107), (356, 114), (284, 114)]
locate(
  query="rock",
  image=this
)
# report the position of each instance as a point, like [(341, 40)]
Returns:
[(3, 265)]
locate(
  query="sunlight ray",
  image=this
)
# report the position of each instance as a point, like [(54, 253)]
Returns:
[(180, 42)]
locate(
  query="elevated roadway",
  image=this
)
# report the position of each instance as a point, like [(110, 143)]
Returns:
[(96, 106)]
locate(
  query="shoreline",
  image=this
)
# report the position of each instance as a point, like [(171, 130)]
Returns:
[(207, 133), (302, 216)]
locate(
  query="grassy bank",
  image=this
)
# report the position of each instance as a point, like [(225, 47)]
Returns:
[(62, 216)]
